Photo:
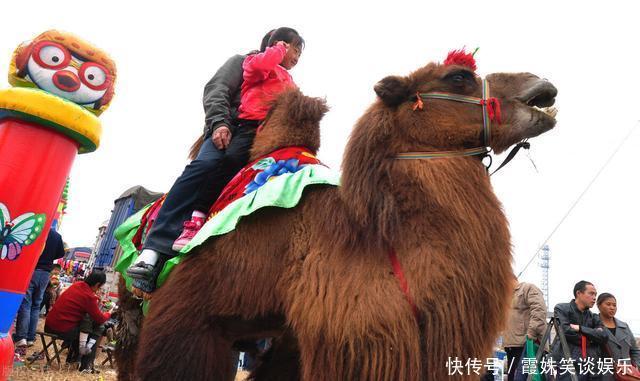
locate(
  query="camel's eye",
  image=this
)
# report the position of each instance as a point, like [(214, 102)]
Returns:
[(460, 81), (459, 77)]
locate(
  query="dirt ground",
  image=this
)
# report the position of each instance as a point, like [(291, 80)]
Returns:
[(106, 374), (37, 371)]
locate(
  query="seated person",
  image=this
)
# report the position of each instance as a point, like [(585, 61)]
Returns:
[(77, 319), (53, 288)]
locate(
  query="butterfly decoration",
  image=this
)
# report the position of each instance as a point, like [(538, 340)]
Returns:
[(16, 234)]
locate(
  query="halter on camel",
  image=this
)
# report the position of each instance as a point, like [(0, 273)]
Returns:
[(491, 112)]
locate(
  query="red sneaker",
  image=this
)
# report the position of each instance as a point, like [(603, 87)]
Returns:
[(189, 231)]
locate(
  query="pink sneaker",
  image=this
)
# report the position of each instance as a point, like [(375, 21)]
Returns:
[(189, 231)]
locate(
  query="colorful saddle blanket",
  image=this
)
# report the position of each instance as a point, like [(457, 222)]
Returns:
[(274, 180), (255, 175)]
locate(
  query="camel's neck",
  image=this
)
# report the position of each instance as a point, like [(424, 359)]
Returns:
[(458, 191), (385, 196), (414, 197)]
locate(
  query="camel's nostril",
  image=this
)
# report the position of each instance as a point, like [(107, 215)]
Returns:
[(542, 100), (541, 94)]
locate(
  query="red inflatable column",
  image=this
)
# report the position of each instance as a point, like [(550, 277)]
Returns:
[(36, 154)]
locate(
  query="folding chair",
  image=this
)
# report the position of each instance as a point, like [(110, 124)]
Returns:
[(57, 350)]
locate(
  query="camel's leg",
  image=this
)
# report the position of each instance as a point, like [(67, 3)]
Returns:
[(191, 350), (190, 329), (181, 340), (281, 362), (127, 333)]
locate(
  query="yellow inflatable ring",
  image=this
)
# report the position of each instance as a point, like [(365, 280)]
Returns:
[(52, 111)]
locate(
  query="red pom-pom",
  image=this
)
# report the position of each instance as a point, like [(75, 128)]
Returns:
[(462, 58)]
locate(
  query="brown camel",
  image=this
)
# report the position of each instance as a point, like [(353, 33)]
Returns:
[(319, 277)]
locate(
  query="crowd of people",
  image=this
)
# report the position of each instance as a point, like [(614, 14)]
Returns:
[(29, 311), (599, 345), (78, 315)]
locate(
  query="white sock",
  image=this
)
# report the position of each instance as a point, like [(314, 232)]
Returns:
[(90, 343), (83, 339), (148, 256), (199, 214)]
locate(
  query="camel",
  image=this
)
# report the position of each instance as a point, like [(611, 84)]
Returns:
[(403, 266)]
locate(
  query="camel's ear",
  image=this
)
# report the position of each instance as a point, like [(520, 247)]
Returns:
[(393, 90)]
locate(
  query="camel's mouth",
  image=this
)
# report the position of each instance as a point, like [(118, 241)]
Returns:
[(540, 99), (537, 104)]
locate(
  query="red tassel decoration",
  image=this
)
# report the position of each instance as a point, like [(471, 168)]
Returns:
[(419, 105), (462, 58), (493, 109)]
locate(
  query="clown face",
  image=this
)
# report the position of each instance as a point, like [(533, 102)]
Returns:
[(54, 69)]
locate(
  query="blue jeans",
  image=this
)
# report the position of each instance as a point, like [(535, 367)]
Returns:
[(199, 186), (29, 312)]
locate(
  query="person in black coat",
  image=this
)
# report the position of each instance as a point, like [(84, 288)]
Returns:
[(584, 332)]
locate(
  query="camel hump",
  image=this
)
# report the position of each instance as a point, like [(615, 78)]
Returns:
[(294, 120), (301, 108)]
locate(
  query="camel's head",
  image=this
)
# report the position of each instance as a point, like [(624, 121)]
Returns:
[(294, 120), (523, 102)]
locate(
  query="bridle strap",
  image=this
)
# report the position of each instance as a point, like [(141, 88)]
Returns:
[(511, 155), (491, 112), (490, 107), (486, 118), (442, 154)]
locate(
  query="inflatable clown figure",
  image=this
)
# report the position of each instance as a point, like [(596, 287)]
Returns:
[(63, 65), (60, 86)]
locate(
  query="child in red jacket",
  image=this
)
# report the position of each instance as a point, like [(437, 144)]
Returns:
[(266, 75)]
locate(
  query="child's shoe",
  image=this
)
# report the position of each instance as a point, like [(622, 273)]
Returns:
[(189, 231)]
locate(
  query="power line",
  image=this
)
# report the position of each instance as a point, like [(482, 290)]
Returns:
[(580, 197)]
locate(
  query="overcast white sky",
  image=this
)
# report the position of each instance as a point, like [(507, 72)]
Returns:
[(166, 52)]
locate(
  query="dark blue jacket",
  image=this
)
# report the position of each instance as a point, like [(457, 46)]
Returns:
[(53, 249)]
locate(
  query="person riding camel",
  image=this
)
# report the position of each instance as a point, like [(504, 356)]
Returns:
[(264, 76)]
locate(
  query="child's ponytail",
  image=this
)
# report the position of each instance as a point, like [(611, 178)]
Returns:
[(288, 35), (265, 40)]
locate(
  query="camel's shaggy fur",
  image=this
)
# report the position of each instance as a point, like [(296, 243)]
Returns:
[(318, 277)]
